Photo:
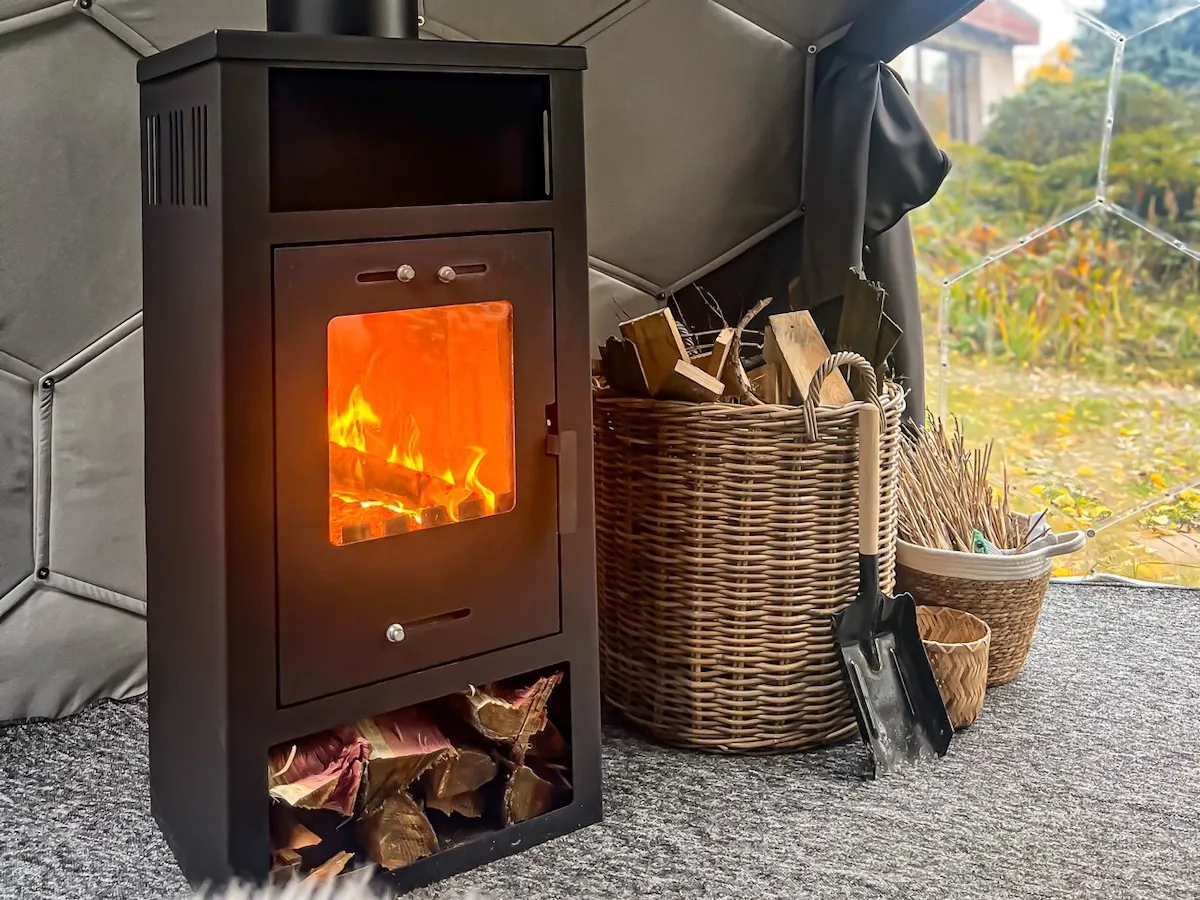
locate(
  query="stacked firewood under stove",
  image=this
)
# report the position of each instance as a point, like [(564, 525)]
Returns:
[(398, 787), (658, 356)]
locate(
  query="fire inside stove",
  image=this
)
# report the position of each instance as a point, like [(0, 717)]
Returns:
[(420, 410)]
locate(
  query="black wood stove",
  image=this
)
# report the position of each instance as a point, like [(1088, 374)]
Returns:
[(368, 445)]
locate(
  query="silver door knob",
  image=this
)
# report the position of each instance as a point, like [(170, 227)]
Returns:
[(406, 273), (447, 274), (395, 633)]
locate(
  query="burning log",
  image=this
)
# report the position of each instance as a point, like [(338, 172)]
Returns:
[(323, 771), (509, 716), (394, 831), (356, 470)]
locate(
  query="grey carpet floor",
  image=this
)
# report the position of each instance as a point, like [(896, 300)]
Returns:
[(1080, 780)]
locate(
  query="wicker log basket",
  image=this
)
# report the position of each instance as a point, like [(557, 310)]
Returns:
[(726, 539)]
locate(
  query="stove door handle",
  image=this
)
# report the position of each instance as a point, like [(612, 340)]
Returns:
[(565, 445)]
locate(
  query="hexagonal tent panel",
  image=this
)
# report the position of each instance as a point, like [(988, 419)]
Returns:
[(1068, 263)]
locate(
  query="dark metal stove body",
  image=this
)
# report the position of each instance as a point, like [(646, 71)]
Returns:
[(290, 180)]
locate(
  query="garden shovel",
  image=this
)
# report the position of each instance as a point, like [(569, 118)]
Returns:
[(900, 713)]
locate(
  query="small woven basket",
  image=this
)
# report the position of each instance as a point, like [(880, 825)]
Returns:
[(727, 537), (957, 646)]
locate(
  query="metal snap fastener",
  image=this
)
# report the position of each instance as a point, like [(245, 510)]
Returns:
[(406, 273), (447, 274), (395, 633)]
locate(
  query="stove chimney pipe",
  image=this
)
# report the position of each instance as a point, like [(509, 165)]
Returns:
[(369, 18)]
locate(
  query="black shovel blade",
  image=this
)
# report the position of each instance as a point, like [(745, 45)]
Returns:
[(901, 716)]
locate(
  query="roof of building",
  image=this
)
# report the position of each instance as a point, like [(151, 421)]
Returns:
[(1004, 19)]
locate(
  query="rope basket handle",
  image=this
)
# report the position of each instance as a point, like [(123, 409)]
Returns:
[(842, 358)]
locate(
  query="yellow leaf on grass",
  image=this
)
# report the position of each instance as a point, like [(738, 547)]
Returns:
[(1037, 490), (1158, 481), (1085, 471), (1161, 520)]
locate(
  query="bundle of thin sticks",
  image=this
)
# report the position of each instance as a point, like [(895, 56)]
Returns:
[(945, 493)]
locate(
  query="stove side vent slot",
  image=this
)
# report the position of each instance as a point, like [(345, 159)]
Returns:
[(152, 170), (199, 155)]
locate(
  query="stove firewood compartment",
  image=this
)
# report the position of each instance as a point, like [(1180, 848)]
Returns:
[(368, 410)]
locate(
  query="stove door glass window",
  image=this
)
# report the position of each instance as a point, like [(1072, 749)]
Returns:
[(420, 411)]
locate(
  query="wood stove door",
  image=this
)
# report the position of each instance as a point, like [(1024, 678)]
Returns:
[(417, 508)]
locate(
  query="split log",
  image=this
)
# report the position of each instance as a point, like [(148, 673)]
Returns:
[(713, 362), (794, 343), (285, 864), (321, 771), (765, 382), (403, 746), (509, 716), (288, 834), (527, 795), (395, 832), (858, 330), (469, 771), (330, 869), (889, 336), (549, 744), (659, 345), (470, 804), (622, 368), (362, 471), (691, 383)]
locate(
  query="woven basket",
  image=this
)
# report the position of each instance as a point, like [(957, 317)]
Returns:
[(1006, 592), (957, 646), (726, 539)]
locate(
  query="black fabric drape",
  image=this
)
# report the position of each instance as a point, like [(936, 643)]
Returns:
[(871, 161)]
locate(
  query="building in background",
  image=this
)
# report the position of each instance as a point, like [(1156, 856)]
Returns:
[(957, 76)]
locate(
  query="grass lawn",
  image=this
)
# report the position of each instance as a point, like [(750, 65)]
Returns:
[(1119, 459)]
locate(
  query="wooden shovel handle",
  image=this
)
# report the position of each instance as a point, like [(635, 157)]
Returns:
[(868, 480)]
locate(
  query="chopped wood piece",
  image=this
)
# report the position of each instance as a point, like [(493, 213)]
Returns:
[(659, 345), (526, 795), (287, 832), (395, 832), (557, 776), (284, 864), (470, 804), (321, 771), (403, 745), (687, 382), (469, 771), (363, 473), (858, 331), (434, 515), (889, 336), (330, 869), (597, 368), (622, 368), (765, 382), (549, 744), (714, 360), (509, 716), (471, 508), (797, 346)]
